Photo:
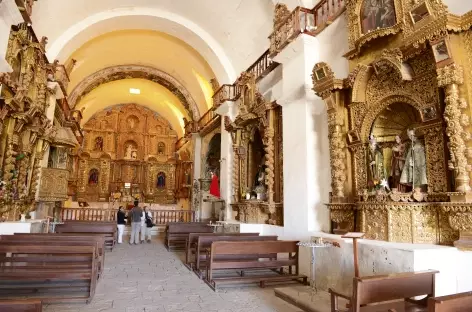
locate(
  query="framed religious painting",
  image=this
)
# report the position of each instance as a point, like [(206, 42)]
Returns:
[(442, 52), (377, 14)]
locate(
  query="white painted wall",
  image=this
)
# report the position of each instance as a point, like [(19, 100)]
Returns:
[(458, 7), (9, 15)]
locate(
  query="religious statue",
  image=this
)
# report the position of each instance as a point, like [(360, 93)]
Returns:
[(187, 177), (375, 161), (98, 144), (260, 188), (398, 161), (414, 170), (93, 177), (134, 155), (161, 148), (129, 150), (161, 180), (214, 186)]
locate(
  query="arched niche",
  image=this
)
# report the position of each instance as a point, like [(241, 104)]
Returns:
[(161, 180), (256, 159), (93, 177), (130, 150), (213, 156), (395, 142)]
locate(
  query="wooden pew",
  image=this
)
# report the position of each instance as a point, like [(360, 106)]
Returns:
[(389, 292), (49, 273), (204, 244), (177, 233), (216, 262), (108, 229), (191, 244), (21, 305), (59, 240), (453, 303)]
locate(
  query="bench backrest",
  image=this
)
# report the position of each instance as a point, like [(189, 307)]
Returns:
[(33, 249), (381, 288), (189, 228), (86, 228), (28, 305), (193, 237), (251, 248), (453, 303), (207, 241)]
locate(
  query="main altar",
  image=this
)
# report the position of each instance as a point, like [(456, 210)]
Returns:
[(399, 130), (128, 153), (257, 147)]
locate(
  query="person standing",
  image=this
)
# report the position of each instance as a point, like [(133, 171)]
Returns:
[(143, 224), (121, 222), (136, 217), (148, 224)]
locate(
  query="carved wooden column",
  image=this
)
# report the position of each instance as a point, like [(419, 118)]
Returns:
[(36, 172), (269, 150), (330, 90), (449, 78)]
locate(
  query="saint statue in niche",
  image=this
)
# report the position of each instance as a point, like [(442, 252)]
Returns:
[(414, 170), (398, 161), (93, 177), (131, 120), (161, 148), (98, 144), (377, 14), (134, 155), (131, 152), (375, 161), (259, 183), (161, 180)]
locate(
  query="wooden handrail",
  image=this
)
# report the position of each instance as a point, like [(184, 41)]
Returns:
[(160, 216), (304, 21)]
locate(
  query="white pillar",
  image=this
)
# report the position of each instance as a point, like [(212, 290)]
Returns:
[(197, 169), (307, 179), (9, 15), (226, 161)]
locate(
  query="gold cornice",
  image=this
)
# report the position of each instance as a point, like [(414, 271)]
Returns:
[(456, 23)]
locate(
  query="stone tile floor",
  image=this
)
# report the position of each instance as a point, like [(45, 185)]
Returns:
[(149, 278)]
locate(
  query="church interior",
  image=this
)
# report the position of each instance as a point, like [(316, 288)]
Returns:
[(332, 136)]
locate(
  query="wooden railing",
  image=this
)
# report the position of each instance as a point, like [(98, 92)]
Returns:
[(160, 217), (207, 118), (263, 66), (62, 77), (225, 93), (304, 21)]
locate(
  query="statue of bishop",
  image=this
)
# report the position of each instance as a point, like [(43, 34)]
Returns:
[(414, 170)]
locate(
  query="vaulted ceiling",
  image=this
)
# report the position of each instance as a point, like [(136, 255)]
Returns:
[(190, 41)]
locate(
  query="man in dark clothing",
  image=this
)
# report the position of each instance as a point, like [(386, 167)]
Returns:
[(136, 215)]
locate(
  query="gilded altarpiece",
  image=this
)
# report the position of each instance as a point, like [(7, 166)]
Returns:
[(128, 151), (25, 131), (399, 124), (255, 133)]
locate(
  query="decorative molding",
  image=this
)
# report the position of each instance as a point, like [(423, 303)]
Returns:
[(120, 72)]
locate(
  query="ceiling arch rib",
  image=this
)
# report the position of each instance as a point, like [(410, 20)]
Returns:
[(152, 95), (132, 18), (120, 72)]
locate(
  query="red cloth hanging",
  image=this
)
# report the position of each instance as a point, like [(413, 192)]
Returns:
[(215, 187)]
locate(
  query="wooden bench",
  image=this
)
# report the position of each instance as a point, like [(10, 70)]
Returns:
[(109, 229), (453, 303), (177, 233), (204, 244), (388, 292), (191, 244), (216, 262), (49, 273), (21, 306), (59, 240)]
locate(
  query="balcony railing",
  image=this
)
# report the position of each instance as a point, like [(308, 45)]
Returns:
[(225, 93), (207, 118), (304, 21), (62, 78), (263, 66), (159, 216)]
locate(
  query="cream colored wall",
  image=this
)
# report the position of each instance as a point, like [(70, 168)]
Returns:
[(153, 96)]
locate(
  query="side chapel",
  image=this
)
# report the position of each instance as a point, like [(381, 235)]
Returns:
[(399, 130)]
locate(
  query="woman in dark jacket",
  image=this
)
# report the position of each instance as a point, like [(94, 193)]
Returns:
[(121, 222), (148, 224)]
